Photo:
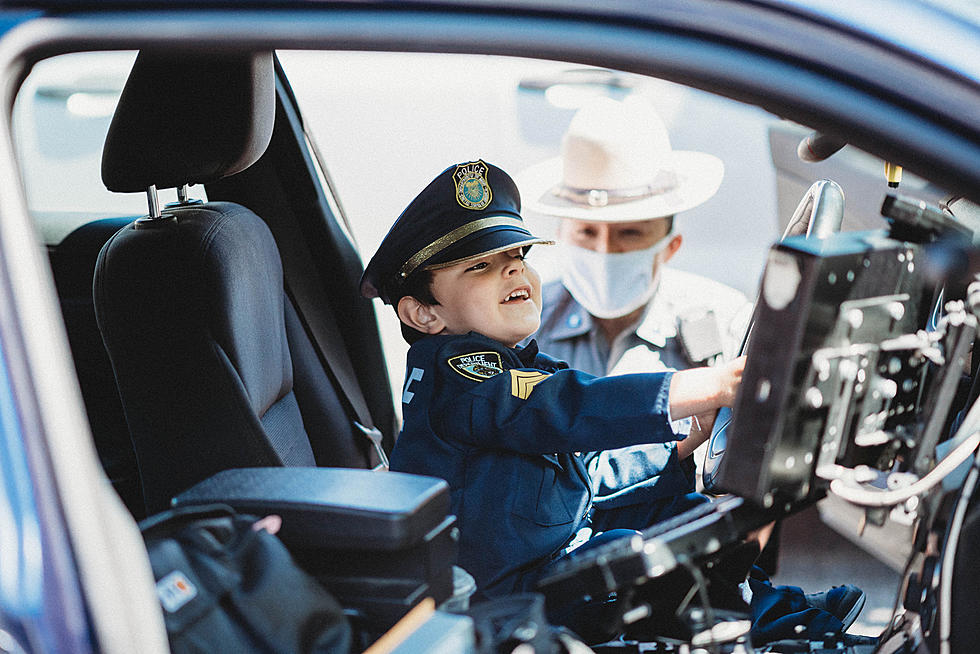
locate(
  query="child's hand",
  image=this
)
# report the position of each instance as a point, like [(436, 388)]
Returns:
[(702, 390), (701, 425), (731, 379)]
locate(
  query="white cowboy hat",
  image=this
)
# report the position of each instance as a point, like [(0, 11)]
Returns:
[(617, 165)]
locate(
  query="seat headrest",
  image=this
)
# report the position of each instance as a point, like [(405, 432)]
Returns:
[(189, 119)]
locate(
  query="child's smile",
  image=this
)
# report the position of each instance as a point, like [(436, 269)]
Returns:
[(519, 295), (496, 295)]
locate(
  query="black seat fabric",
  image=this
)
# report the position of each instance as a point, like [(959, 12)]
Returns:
[(189, 119), (192, 311), (334, 442), (73, 265), (192, 317)]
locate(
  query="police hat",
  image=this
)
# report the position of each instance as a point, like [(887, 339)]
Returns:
[(469, 210)]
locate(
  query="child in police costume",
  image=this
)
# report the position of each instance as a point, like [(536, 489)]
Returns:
[(511, 429)]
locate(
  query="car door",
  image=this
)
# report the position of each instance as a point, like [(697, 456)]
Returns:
[(72, 555), (777, 57)]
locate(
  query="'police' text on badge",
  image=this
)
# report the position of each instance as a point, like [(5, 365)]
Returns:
[(472, 189), (477, 365)]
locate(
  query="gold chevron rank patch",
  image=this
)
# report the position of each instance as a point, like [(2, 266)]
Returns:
[(522, 382)]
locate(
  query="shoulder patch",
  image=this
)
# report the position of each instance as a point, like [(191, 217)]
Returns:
[(522, 382), (477, 365)]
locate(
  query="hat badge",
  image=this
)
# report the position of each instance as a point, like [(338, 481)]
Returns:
[(472, 190)]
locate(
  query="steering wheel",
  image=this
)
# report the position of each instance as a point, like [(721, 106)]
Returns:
[(818, 215)]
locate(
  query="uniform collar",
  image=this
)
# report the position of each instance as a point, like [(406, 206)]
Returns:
[(528, 353), (657, 324), (570, 318)]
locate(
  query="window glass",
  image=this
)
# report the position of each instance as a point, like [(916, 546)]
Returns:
[(61, 116), (385, 124)]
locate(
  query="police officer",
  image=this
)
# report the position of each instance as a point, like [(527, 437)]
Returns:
[(616, 188)]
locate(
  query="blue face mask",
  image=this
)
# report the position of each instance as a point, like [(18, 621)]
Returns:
[(610, 285)]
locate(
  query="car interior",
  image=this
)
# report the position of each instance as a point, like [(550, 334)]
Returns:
[(202, 351), (309, 387), (224, 354)]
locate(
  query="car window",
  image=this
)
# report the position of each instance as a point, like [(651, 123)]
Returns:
[(387, 123), (384, 124), (390, 122), (60, 120)]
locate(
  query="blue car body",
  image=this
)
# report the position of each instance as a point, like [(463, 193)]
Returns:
[(901, 81)]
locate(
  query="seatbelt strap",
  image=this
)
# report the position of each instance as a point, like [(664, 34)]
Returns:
[(328, 342), (302, 288)]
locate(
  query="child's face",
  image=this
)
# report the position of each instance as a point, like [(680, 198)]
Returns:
[(497, 295)]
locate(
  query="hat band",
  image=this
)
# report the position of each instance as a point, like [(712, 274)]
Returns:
[(443, 242), (665, 180)]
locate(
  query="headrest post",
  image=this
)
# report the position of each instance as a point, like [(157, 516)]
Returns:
[(154, 201), (183, 199), (154, 218)]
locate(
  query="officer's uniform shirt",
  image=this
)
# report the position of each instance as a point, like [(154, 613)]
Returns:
[(568, 332), (510, 429)]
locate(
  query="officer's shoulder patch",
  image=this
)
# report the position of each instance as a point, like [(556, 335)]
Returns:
[(522, 382), (477, 365)]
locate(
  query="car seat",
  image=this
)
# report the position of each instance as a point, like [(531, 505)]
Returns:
[(190, 301)]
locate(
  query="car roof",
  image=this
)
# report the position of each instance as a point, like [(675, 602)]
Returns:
[(944, 33), (904, 89), (957, 20)]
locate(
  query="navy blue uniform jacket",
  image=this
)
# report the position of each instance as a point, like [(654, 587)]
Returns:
[(509, 430)]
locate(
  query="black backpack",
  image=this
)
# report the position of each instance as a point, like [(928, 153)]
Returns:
[(226, 587)]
